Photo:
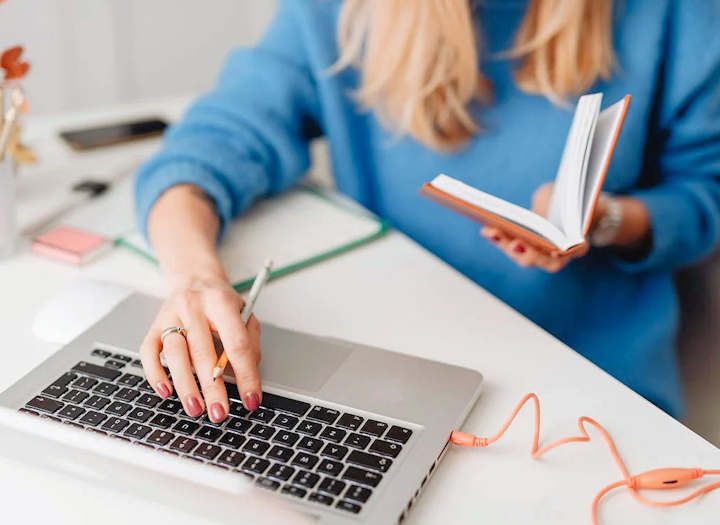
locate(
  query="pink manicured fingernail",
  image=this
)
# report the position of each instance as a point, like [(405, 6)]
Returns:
[(163, 390), (217, 412), (194, 408), (251, 401), (519, 248)]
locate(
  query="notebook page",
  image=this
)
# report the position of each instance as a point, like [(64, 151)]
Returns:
[(286, 228), (507, 210), (565, 210), (608, 127)]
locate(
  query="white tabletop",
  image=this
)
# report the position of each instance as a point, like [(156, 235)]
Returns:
[(395, 295)]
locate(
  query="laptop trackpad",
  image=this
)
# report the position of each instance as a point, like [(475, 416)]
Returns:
[(299, 361)]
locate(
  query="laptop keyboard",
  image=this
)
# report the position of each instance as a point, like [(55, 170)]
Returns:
[(310, 452)]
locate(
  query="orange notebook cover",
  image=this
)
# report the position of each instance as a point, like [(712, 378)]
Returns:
[(455, 199)]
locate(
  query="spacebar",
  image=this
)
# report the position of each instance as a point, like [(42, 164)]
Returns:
[(285, 404)]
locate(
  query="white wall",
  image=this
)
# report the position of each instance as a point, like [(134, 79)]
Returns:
[(92, 52)]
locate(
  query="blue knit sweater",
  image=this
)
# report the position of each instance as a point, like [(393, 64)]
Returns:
[(249, 138)]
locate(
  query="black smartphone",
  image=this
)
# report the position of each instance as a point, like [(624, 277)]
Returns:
[(89, 138)]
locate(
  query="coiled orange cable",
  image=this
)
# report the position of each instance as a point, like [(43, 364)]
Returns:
[(659, 479)]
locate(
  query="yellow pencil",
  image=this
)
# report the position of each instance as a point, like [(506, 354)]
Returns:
[(257, 285)]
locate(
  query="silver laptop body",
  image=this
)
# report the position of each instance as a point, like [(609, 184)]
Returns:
[(351, 433)]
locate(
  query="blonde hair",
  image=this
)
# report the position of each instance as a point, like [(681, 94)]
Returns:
[(419, 59)]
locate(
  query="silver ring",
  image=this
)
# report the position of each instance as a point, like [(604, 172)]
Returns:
[(172, 330)]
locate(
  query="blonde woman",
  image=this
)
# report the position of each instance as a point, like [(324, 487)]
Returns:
[(405, 89)]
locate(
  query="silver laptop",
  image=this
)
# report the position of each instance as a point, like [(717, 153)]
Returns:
[(346, 433)]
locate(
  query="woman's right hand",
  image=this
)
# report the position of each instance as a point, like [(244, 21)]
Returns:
[(202, 306)]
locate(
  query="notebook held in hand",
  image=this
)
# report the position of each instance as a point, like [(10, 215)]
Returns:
[(579, 180)]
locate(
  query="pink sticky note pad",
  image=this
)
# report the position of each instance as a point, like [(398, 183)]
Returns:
[(70, 245)]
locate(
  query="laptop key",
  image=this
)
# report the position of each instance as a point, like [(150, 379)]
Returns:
[(308, 427), (71, 412), (129, 380), (334, 451), (84, 383), (292, 490), (326, 415), (97, 402), (55, 391), (123, 358), (162, 421), (186, 427), (115, 424), (330, 467), (276, 402), (106, 389), (232, 440), (333, 434), (358, 493), (44, 404), (256, 447), (145, 386), (286, 438), (332, 486), (127, 394), (349, 421), (357, 441), (160, 437), (236, 409), (209, 433), (96, 371), (170, 406), (76, 396), (303, 459), (231, 458), (285, 421), (362, 476), (375, 428), (115, 364), (238, 425), (324, 499), (267, 483), (263, 414), (256, 465), (118, 408), (348, 506), (140, 414), (306, 479), (262, 431), (181, 444), (279, 453), (28, 412), (370, 461), (386, 448), (207, 451), (102, 354), (310, 444), (148, 400), (137, 431), (92, 418), (136, 363), (399, 434), (281, 472)]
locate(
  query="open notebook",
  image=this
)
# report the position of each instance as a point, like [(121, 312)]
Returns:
[(297, 229), (579, 179)]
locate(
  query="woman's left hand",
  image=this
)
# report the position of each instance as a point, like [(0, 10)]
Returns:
[(520, 251)]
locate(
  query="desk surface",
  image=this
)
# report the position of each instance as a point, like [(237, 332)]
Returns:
[(427, 309)]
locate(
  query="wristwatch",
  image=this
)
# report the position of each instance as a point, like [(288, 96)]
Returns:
[(607, 228)]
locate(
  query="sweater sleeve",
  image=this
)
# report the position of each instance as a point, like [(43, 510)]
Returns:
[(250, 135), (682, 192)]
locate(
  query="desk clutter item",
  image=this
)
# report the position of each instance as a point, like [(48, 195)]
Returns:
[(658, 479), (70, 245), (298, 229), (578, 182)]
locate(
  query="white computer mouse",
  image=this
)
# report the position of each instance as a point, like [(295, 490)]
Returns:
[(75, 308)]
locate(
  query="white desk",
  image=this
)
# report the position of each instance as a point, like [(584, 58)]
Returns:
[(427, 309)]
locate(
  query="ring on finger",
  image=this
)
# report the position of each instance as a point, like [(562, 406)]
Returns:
[(173, 330)]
